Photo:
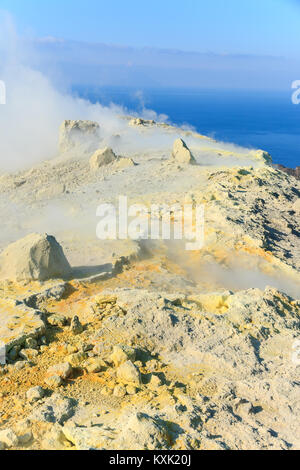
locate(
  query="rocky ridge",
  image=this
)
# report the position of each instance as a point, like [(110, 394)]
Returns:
[(145, 345)]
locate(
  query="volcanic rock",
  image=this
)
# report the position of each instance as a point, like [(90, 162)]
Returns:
[(102, 157), (79, 136), (181, 153), (35, 257)]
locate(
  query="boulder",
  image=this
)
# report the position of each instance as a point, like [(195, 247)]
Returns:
[(181, 153), (102, 157), (35, 257), (79, 136)]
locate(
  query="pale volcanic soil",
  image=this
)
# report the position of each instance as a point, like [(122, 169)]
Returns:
[(152, 346)]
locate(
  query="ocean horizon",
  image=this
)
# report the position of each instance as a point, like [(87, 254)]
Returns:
[(266, 120)]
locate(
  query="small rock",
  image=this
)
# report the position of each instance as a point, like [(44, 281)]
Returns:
[(142, 432), (76, 327), (55, 440), (77, 359), (120, 391), (31, 343), (57, 320), (87, 347), (122, 354), (43, 341), (62, 370), (243, 407), (106, 391), (34, 394), (129, 373), (54, 381), (8, 438), (95, 365), (28, 354), (124, 162), (19, 365), (131, 390), (25, 438), (153, 365), (71, 349), (23, 432), (155, 381), (14, 353)]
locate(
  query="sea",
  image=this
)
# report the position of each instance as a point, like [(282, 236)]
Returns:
[(265, 120)]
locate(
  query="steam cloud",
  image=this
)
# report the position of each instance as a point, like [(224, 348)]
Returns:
[(30, 120)]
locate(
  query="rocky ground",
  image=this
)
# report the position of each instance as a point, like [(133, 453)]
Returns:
[(144, 345)]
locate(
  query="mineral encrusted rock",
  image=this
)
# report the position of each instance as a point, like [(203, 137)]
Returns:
[(35, 257)]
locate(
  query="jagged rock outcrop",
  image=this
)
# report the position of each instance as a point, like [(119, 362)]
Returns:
[(35, 257), (181, 153), (79, 136)]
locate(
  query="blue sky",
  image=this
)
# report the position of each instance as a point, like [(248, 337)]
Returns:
[(221, 26), (160, 43)]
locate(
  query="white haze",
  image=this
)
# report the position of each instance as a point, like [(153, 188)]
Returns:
[(34, 109)]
